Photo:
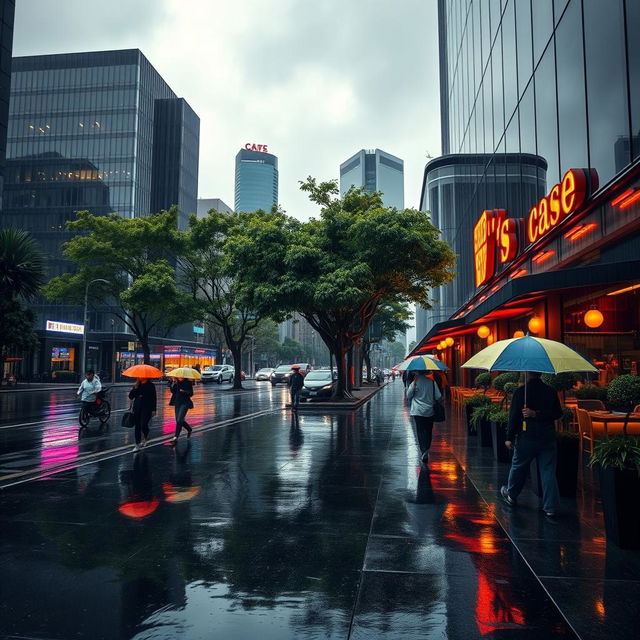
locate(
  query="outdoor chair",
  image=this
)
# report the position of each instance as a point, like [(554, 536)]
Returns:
[(586, 430)]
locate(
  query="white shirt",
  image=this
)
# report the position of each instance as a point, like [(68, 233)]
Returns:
[(422, 393), (89, 389)]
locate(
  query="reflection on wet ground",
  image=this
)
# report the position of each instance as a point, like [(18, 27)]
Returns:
[(318, 527)]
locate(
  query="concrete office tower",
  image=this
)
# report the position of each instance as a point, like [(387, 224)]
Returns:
[(100, 131), (256, 179), (7, 11), (375, 170), (206, 204)]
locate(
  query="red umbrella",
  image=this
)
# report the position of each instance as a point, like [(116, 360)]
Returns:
[(139, 508), (142, 371)]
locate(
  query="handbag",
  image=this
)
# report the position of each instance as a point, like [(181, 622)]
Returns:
[(128, 421), (438, 407)]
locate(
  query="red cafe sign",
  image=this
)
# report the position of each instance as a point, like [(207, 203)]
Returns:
[(252, 146), (495, 237)]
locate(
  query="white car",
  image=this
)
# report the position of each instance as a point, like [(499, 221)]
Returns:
[(218, 373), (264, 374)]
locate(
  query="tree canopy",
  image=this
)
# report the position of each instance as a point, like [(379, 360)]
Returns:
[(337, 270)]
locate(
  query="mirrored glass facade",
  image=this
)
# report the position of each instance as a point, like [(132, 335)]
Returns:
[(256, 184), (375, 170), (7, 12)]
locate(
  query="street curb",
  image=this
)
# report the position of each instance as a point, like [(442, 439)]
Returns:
[(339, 406)]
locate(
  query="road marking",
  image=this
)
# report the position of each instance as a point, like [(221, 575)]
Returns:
[(20, 477)]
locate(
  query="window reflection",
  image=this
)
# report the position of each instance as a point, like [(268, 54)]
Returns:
[(633, 53), (546, 116)]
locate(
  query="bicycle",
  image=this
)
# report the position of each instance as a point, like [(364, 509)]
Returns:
[(100, 409)]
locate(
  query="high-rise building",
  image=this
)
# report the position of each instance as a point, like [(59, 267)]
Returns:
[(555, 84), (375, 170), (7, 12), (256, 179), (206, 204), (100, 131)]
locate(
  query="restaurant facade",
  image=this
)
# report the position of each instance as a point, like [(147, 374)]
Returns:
[(558, 81)]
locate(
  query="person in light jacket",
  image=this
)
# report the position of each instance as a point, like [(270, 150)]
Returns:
[(421, 395)]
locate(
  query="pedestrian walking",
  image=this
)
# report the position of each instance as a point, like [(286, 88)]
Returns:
[(531, 434), (296, 382), (422, 394), (181, 392), (145, 401)]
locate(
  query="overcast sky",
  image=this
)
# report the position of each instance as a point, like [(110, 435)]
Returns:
[(315, 80)]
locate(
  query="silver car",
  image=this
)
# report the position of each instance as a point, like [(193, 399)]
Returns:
[(218, 373), (264, 374)]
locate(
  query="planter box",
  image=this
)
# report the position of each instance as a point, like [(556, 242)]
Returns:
[(620, 491), (484, 434), (498, 436), (467, 412)]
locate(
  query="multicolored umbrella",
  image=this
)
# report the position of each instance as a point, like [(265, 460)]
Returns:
[(185, 372), (423, 363), (142, 371), (529, 354)]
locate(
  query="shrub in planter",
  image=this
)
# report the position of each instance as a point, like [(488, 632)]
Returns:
[(619, 461), (623, 394), (481, 423), (499, 420), (483, 381), (476, 400), (591, 393), (504, 378), (560, 381)]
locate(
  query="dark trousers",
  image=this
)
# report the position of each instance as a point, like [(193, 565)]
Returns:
[(424, 431), (141, 421), (543, 447), (181, 414), (295, 397)]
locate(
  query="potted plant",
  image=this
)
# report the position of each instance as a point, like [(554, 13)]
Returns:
[(591, 392), (502, 380), (623, 394), (561, 382), (483, 381), (481, 423), (470, 404), (568, 462), (499, 420), (619, 462)]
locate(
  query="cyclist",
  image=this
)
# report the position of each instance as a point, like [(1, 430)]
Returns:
[(88, 389)]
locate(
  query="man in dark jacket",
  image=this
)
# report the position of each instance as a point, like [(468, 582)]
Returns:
[(531, 429), (296, 382)]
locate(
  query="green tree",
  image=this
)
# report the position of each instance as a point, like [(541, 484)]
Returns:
[(392, 317), (223, 298), (136, 256), (338, 269), (266, 343), (21, 276), (292, 351)]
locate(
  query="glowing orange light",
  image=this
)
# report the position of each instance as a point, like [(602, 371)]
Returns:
[(139, 508), (593, 318), (491, 339), (580, 231), (483, 332), (449, 341), (543, 256), (519, 273), (518, 334), (625, 290), (535, 325), (629, 201), (623, 196)]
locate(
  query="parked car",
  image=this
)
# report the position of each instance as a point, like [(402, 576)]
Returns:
[(280, 374), (264, 374), (317, 384), (217, 373)]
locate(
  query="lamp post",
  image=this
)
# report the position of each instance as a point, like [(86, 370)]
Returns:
[(86, 323), (113, 351)]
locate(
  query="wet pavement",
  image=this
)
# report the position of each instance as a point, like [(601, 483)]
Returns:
[(272, 527)]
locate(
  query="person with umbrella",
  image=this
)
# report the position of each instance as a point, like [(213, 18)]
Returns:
[(422, 394), (296, 382), (181, 392), (144, 398), (534, 409)]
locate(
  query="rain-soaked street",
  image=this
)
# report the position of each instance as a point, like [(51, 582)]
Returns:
[(269, 527)]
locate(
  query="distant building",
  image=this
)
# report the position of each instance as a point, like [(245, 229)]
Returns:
[(256, 179), (206, 204), (7, 11), (100, 131), (375, 170)]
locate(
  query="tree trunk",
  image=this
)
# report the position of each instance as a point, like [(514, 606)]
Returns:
[(367, 360), (236, 352), (146, 350), (342, 387)]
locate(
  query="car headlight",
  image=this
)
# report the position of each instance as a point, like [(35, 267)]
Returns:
[(327, 387)]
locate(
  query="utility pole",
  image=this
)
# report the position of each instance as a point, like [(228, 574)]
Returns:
[(113, 351)]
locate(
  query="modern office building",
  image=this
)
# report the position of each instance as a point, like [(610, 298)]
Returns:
[(206, 204), (375, 170), (100, 131), (256, 182), (560, 82), (7, 12)]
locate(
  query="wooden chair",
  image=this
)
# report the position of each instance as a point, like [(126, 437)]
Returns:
[(585, 428), (591, 405)]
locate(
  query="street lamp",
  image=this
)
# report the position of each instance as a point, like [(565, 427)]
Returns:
[(86, 323)]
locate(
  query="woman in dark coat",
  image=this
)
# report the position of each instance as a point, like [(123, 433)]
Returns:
[(144, 399), (181, 392)]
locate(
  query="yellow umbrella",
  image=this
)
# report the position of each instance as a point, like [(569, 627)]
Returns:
[(185, 372)]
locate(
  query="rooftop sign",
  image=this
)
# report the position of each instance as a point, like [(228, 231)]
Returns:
[(252, 146), (65, 327)]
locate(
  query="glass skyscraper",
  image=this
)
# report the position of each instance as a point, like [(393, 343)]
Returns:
[(375, 170), (7, 12), (256, 183), (100, 131)]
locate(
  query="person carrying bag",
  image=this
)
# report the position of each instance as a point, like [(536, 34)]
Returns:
[(181, 392)]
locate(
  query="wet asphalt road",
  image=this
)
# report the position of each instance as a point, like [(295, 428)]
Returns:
[(268, 527)]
